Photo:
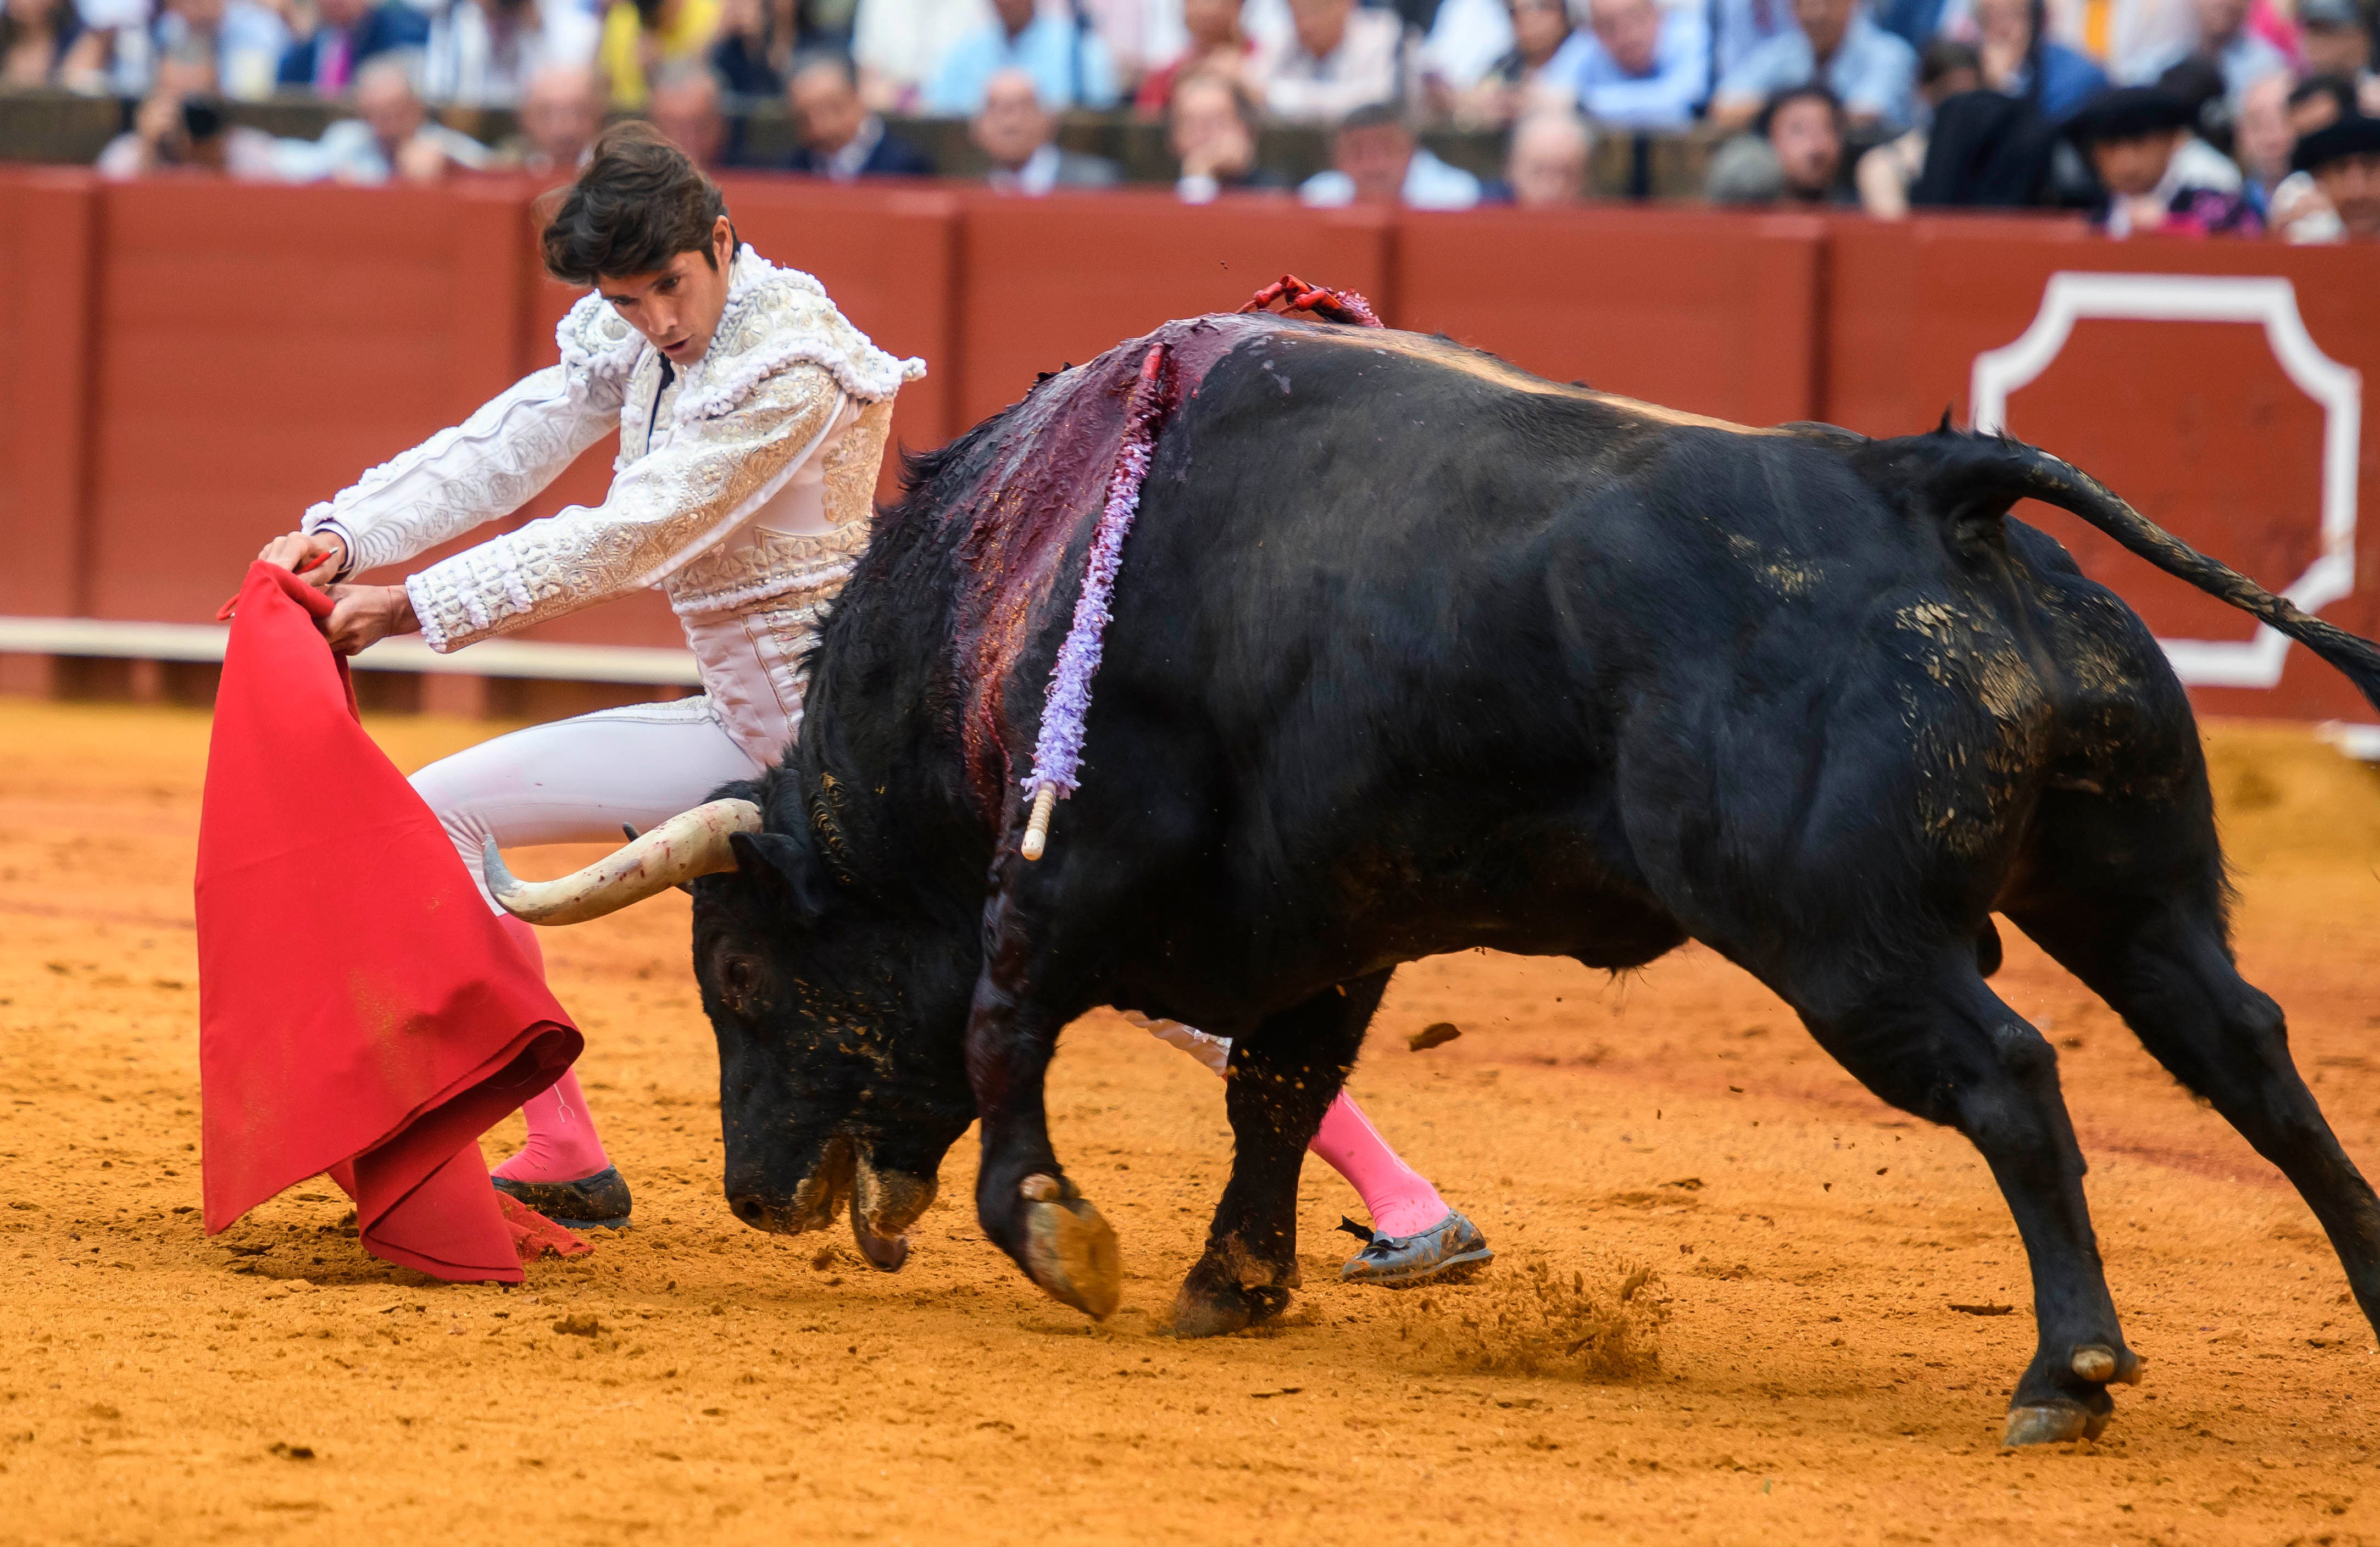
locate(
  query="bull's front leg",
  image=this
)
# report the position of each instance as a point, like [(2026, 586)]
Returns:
[(1283, 1078), (1027, 1204)]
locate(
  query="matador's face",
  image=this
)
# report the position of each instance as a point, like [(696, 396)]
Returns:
[(678, 308)]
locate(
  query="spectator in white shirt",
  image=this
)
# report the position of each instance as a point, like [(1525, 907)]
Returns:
[(899, 44), (1648, 68), (1376, 160), (1335, 59), (117, 46), (1466, 39), (392, 138), (483, 53)]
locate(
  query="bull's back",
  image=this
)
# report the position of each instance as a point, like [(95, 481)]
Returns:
[(1382, 591), (1379, 582), (1354, 517)]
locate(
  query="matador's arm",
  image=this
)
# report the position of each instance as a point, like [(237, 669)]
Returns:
[(496, 460), (663, 510)]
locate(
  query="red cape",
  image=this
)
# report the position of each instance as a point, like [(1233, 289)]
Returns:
[(360, 1012)]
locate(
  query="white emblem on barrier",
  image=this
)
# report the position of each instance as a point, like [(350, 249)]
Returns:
[(2071, 297)]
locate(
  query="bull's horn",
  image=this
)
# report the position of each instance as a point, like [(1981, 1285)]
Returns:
[(689, 845)]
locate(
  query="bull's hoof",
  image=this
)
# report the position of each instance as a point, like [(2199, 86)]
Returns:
[(2052, 1423), (1231, 1288), (1070, 1251), (1225, 1309)]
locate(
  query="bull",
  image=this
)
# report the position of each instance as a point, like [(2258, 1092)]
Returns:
[(1413, 652)]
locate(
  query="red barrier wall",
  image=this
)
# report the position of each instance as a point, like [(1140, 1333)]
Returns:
[(255, 348), (2207, 400), (1711, 312), (47, 250), (184, 366)]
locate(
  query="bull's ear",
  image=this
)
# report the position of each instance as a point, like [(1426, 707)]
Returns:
[(786, 865)]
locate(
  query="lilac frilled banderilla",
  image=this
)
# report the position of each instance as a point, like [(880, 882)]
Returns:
[(1058, 751)]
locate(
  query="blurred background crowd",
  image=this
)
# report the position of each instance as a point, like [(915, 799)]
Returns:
[(2218, 117)]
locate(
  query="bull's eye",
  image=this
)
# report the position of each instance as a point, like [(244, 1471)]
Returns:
[(739, 977)]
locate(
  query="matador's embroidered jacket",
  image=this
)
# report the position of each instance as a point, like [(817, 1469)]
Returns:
[(743, 489)]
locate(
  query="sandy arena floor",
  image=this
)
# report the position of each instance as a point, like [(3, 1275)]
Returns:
[(1814, 1382)]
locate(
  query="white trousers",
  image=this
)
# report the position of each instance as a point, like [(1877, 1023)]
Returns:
[(580, 781)]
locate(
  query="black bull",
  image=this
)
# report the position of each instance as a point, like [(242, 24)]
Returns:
[(1413, 652)]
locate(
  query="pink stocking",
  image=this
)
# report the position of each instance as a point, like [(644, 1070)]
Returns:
[(563, 1146), (1401, 1200)]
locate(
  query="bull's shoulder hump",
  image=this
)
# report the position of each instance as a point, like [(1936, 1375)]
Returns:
[(1446, 355)]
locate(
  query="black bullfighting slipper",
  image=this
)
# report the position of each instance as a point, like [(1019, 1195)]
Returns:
[(596, 1203), (1453, 1248)]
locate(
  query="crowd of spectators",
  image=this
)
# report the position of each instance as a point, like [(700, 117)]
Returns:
[(2201, 116)]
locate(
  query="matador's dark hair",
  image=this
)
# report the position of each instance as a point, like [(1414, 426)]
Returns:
[(639, 203)]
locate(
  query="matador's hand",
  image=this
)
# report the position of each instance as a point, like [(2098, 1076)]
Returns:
[(366, 615), (299, 551)]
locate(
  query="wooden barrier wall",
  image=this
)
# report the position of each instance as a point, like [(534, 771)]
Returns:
[(186, 366), (46, 229)]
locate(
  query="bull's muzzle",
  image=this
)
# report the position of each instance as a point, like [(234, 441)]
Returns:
[(811, 1205), (884, 1204)]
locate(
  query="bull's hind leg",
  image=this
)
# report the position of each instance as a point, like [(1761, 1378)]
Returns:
[(1283, 1077), (1941, 1044), (2164, 967)]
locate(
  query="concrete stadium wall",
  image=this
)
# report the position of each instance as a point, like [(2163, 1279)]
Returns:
[(186, 366)]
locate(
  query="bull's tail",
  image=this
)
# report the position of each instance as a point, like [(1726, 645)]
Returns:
[(1969, 481)]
